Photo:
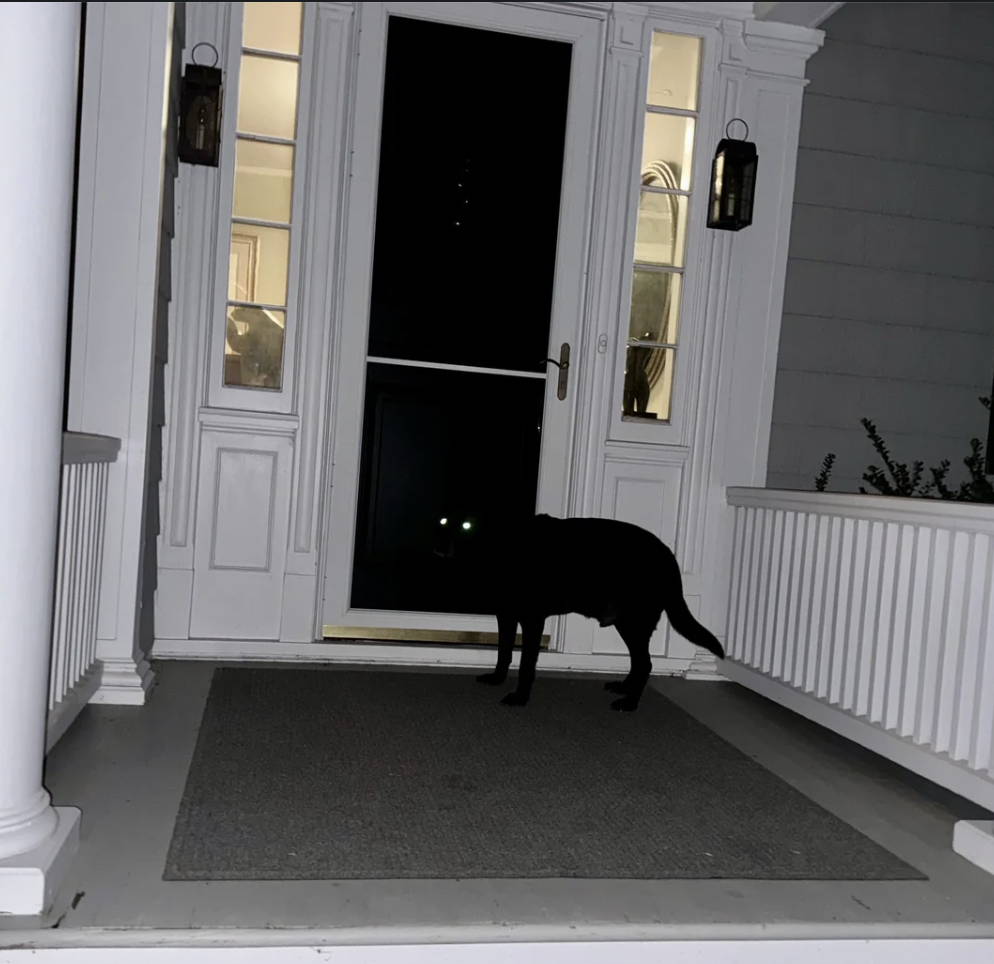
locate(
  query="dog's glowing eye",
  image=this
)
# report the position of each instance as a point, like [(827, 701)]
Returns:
[(443, 522), (467, 525)]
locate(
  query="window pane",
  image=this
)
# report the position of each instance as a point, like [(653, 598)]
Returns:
[(267, 97), (258, 265), (263, 181), (655, 307), (661, 233), (648, 383), (667, 150), (272, 26), (674, 68), (253, 348)]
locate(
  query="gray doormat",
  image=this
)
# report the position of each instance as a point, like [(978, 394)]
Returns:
[(330, 775)]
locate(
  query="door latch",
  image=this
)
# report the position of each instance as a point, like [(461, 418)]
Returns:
[(563, 366)]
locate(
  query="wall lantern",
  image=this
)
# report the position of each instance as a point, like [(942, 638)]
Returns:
[(733, 182), (200, 112)]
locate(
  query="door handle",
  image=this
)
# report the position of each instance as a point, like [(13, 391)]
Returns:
[(563, 366)]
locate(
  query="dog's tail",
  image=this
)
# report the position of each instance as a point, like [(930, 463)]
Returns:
[(682, 619)]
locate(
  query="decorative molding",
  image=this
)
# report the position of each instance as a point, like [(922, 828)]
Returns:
[(247, 423), (124, 681), (798, 14), (320, 303), (718, 294), (219, 503), (620, 104), (646, 454), (190, 314), (705, 667), (770, 49)]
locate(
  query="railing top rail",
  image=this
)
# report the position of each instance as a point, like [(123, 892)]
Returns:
[(974, 516), (79, 448)]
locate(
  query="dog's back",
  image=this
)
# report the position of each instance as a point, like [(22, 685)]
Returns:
[(611, 571), (603, 569)]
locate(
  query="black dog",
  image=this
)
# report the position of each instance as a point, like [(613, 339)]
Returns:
[(606, 570)]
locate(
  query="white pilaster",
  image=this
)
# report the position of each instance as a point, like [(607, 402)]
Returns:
[(128, 51), (39, 46)]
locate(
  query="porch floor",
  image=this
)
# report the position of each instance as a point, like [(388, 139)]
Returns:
[(125, 767)]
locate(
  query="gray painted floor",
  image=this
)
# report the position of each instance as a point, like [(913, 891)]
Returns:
[(125, 767)]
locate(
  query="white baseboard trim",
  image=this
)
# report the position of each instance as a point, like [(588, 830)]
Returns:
[(29, 882), (381, 654), (69, 707), (937, 767), (974, 840), (95, 946), (125, 681)]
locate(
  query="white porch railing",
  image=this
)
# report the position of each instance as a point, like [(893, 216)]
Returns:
[(872, 616), (75, 670)]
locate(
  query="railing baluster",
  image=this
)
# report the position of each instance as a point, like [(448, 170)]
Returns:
[(74, 668), (876, 609)]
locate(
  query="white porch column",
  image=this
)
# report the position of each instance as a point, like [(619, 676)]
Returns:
[(39, 45)]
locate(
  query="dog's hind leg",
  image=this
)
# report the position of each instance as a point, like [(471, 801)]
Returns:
[(531, 641), (507, 629), (636, 632)]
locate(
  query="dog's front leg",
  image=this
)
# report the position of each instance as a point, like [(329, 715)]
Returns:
[(531, 641), (507, 629)]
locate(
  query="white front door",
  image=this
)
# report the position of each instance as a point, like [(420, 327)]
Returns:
[(466, 240)]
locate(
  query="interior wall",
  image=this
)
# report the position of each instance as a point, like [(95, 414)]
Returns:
[(889, 302), (164, 290)]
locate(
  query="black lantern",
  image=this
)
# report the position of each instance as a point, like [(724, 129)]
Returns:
[(200, 113), (733, 182)]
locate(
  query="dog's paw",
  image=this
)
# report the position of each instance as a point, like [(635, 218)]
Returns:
[(615, 686), (514, 699), (625, 705), (491, 679)]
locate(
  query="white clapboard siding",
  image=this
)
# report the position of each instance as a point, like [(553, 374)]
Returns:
[(872, 616), (75, 671)]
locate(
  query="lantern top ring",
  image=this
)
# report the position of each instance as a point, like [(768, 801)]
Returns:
[(734, 120), (204, 43)]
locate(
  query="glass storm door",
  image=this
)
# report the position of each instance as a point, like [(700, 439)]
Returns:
[(464, 420)]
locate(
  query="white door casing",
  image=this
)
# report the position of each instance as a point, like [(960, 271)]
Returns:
[(348, 379)]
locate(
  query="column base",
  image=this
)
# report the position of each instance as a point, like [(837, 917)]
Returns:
[(705, 667), (974, 840), (125, 682), (29, 882)]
